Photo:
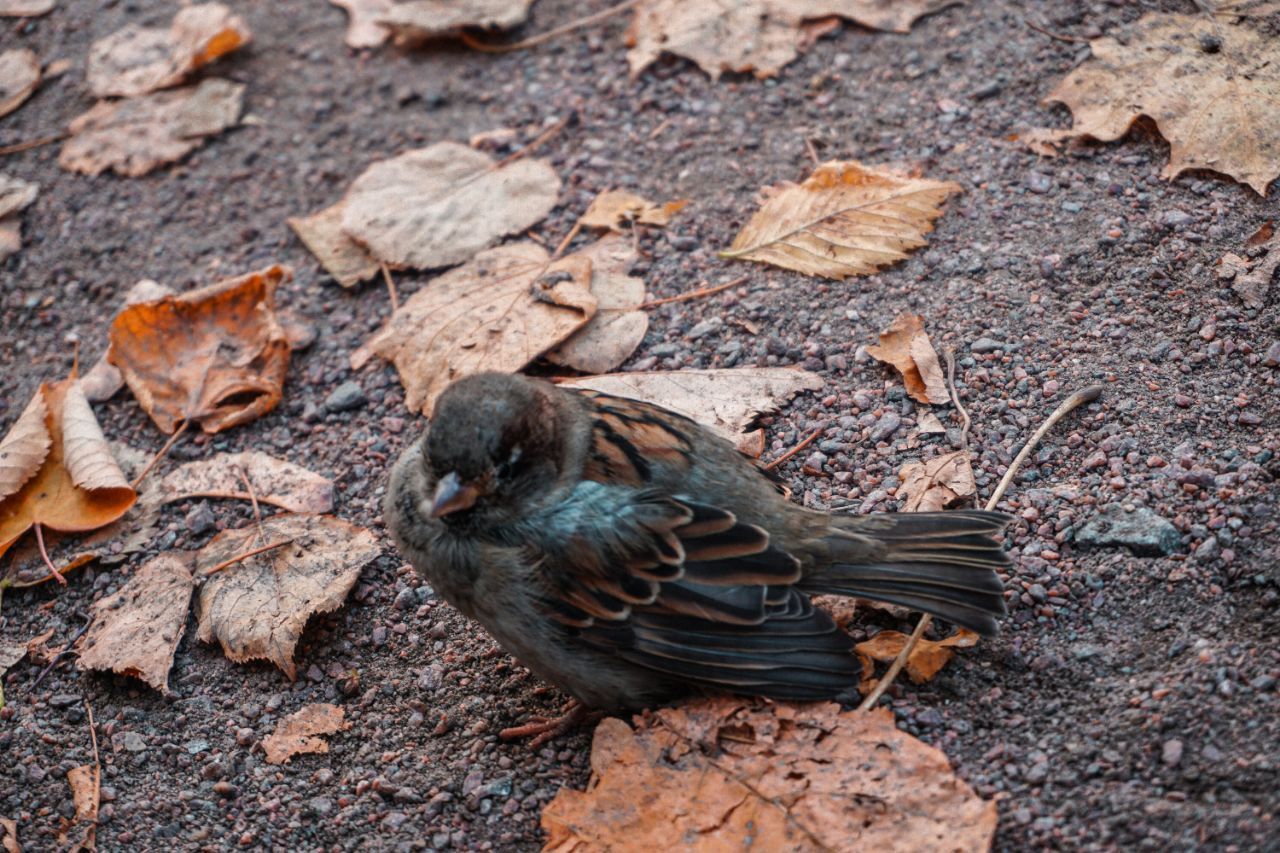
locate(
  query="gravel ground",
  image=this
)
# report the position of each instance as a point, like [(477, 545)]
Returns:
[(1132, 700)]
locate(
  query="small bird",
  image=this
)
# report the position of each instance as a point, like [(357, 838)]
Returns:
[(629, 555)]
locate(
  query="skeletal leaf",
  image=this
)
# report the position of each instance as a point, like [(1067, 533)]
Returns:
[(937, 483), (19, 77), (302, 732), (343, 258), (906, 346)]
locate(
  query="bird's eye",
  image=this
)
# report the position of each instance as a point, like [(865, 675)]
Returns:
[(505, 469)]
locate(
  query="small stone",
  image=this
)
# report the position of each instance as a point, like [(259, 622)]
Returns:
[(1272, 358), (200, 519), (1039, 183), (885, 427), (1142, 531), (985, 345), (1208, 550), (347, 396), (406, 599), (1171, 753)]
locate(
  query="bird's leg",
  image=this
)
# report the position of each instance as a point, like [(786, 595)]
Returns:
[(543, 729)]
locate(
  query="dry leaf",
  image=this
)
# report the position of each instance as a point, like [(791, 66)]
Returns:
[(727, 401), (440, 205), (80, 833), (937, 483), (216, 355), (618, 327), (926, 659), (342, 257), (929, 424), (1212, 88), (15, 194), (724, 774), (19, 77), (614, 208), (363, 29), (10, 653), (136, 60), (845, 219), (136, 631), (300, 732), (906, 346), (257, 608), (419, 20), (66, 478), (25, 8), (136, 135), (1251, 280), (9, 833), (274, 482), (500, 311), (759, 36)]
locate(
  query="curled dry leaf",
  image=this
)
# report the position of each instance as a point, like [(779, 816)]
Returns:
[(419, 20), (724, 774), (9, 833), (727, 401), (343, 258), (499, 311), (301, 731), (66, 478), (363, 29), (613, 209), (104, 379), (1251, 280), (25, 8), (80, 832), (925, 660), (256, 608), (618, 327), (136, 60), (15, 194), (937, 483), (440, 205), (19, 77), (136, 135), (1210, 86), (845, 219), (136, 631), (274, 482), (906, 346), (216, 356)]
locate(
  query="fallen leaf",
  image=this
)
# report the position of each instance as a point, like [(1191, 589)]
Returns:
[(929, 424), (256, 608), (136, 135), (216, 356), (136, 60), (19, 77), (758, 36), (25, 8), (15, 194), (66, 478), (724, 774), (343, 258), (501, 310), (9, 836), (906, 346), (104, 379), (38, 650), (274, 482), (1203, 82), (845, 219), (363, 29), (614, 208), (618, 327), (936, 483), (10, 653), (80, 832), (728, 401), (301, 731), (1251, 280), (438, 206), (136, 631), (1264, 233), (419, 20), (926, 659)]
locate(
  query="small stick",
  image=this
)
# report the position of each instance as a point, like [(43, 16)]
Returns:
[(813, 152), (246, 555), (18, 147), (58, 657), (568, 238), (950, 355), (695, 294), (793, 451), (1052, 35), (57, 575), (896, 667), (534, 41), (391, 288), (537, 143), (168, 445), (97, 770), (253, 498)]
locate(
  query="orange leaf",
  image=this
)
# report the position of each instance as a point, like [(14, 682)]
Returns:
[(927, 658), (300, 732), (906, 346)]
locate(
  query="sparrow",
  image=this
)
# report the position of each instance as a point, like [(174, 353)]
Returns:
[(629, 555)]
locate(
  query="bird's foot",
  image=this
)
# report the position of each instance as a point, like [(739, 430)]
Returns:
[(543, 729)]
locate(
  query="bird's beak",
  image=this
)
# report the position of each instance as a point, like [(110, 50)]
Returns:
[(453, 495)]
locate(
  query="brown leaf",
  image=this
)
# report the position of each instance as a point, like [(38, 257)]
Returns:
[(274, 482), (614, 208), (1251, 280), (926, 659), (136, 135), (104, 379), (136, 60), (929, 424), (258, 607), (300, 732), (15, 194), (906, 346), (10, 653), (726, 400), (937, 483), (499, 311), (80, 833), (76, 485), (725, 774), (343, 258), (845, 219), (38, 650), (25, 8), (419, 20), (618, 327), (216, 355), (19, 77), (1203, 82), (438, 206), (136, 631), (363, 29), (9, 833)]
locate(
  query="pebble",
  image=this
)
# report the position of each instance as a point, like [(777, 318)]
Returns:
[(1142, 531), (1171, 752), (1272, 358), (1208, 550), (347, 396), (985, 345), (200, 519), (1039, 183), (886, 426)]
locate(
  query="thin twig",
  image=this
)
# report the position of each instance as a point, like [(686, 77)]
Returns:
[(53, 570), (896, 667), (537, 143), (253, 498), (793, 451), (168, 445), (950, 355), (695, 294), (246, 555), (534, 41), (58, 657), (813, 152), (97, 772), (391, 288), (1053, 35), (19, 147), (568, 238)]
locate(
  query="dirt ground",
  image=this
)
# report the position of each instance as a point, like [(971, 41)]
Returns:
[(1131, 702)]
